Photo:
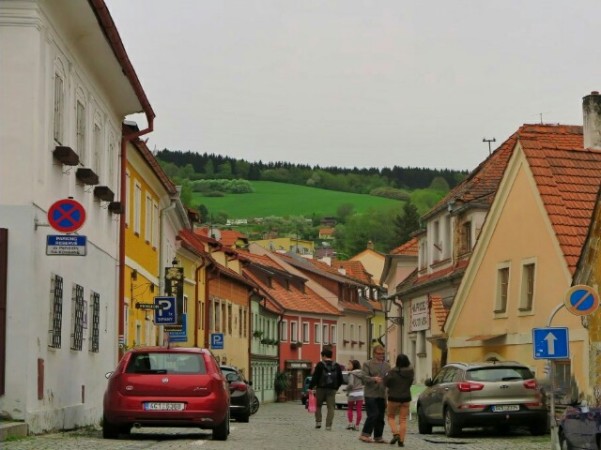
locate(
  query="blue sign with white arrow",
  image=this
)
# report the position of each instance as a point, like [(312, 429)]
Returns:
[(551, 343), (166, 311)]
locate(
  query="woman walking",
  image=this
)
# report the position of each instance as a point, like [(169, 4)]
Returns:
[(398, 383), (354, 394)]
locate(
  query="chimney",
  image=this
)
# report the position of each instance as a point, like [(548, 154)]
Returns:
[(591, 109), (370, 245)]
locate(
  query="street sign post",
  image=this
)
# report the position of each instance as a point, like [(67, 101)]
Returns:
[(217, 341), (551, 343), (66, 215), (581, 300), (166, 311)]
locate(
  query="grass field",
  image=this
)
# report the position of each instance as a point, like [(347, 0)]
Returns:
[(280, 199)]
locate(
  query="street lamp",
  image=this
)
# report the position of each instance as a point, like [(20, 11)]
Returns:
[(387, 302)]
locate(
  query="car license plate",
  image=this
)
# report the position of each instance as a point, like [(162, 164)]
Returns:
[(163, 406), (505, 408)]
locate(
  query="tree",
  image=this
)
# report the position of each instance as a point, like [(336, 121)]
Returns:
[(344, 211), (407, 223), (186, 193)]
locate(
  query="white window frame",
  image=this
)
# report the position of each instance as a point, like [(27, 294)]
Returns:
[(148, 219), (317, 333), (80, 128), (155, 224), (324, 334), (502, 288), (333, 334), (527, 285), (58, 118), (293, 331), (137, 206), (284, 330), (112, 160), (127, 198), (97, 151), (306, 335)]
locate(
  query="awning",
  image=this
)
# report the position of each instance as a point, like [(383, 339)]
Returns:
[(486, 337)]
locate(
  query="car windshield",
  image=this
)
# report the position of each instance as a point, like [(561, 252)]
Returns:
[(499, 374), (172, 363)]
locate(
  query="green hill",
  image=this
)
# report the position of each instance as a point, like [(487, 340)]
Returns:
[(280, 199)]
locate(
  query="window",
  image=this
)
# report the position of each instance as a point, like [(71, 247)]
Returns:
[(324, 334), (97, 156), (447, 238), (95, 322), (59, 108), (137, 207), (293, 332), (317, 333), (359, 333), (436, 244), (111, 162), (155, 224), (229, 319), (333, 334), (148, 219), (344, 336), (306, 336), (352, 333), (502, 289), (127, 198), (284, 330), (527, 290), (423, 254), (56, 312), (466, 231), (80, 123), (77, 316)]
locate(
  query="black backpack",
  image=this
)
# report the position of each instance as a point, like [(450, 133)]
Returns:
[(329, 375)]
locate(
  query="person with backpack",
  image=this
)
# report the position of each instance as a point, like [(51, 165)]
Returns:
[(327, 378)]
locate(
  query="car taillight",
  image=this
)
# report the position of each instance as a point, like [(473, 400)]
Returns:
[(530, 384), (238, 386), (468, 386)]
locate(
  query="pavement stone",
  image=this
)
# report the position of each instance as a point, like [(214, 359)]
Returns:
[(276, 426)]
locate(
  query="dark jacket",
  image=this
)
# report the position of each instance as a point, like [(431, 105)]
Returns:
[(398, 383), (318, 373)]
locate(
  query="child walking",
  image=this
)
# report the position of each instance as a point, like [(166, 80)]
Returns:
[(354, 394)]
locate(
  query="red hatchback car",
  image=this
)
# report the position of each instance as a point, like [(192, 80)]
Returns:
[(166, 387)]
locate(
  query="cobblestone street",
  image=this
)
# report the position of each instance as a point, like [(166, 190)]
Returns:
[(276, 426)]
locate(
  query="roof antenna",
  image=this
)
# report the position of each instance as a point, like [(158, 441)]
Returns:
[(489, 142)]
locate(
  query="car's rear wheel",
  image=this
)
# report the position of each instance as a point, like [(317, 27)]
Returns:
[(109, 431), (423, 425), (451, 427), (254, 405), (221, 431)]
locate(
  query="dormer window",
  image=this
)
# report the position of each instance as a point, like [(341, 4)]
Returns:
[(466, 231)]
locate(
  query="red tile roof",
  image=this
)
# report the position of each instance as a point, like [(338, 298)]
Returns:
[(440, 312), (409, 248), (353, 269), (568, 178), (228, 237)]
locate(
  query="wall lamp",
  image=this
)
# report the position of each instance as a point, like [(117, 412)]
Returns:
[(387, 302)]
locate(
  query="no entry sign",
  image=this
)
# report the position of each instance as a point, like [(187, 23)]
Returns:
[(66, 215)]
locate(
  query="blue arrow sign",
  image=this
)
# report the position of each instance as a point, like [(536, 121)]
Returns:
[(166, 311), (550, 343)]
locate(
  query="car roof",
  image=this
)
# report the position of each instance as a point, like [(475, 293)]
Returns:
[(158, 349), (485, 364)]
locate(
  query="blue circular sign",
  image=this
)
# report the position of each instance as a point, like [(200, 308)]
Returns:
[(581, 300)]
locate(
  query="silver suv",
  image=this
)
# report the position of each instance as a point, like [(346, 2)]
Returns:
[(501, 394)]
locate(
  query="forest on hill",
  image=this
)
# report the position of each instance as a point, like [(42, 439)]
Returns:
[(195, 166)]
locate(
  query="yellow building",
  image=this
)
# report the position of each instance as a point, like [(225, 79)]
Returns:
[(150, 197), (526, 255)]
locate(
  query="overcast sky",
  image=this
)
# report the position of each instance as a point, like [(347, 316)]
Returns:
[(356, 82)]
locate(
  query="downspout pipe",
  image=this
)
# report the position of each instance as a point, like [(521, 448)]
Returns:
[(125, 139)]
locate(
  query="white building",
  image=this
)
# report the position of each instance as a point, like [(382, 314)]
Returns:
[(67, 85)]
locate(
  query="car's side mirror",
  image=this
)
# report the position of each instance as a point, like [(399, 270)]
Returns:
[(428, 382), (108, 375)]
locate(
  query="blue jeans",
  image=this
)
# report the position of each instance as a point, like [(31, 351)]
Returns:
[(375, 408)]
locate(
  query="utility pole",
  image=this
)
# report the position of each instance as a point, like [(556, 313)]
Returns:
[(489, 141)]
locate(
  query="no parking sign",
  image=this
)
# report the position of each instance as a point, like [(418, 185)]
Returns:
[(66, 215)]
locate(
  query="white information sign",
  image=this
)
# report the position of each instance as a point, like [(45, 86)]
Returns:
[(419, 315)]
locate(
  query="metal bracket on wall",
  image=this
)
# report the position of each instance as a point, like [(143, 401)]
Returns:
[(37, 223)]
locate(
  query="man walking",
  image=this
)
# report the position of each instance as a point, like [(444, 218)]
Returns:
[(327, 377), (373, 373)]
